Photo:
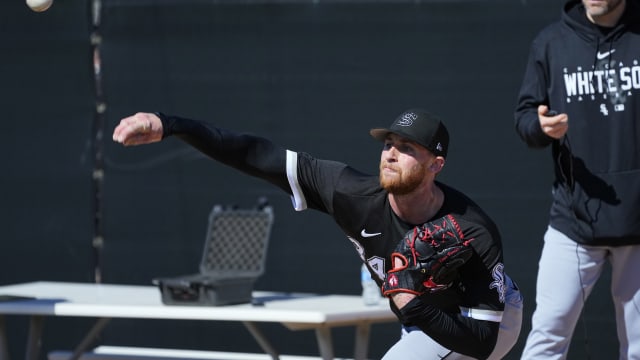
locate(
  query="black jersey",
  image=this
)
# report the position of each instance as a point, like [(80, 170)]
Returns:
[(360, 206), (464, 317)]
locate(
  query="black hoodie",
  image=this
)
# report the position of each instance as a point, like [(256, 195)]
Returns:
[(593, 75)]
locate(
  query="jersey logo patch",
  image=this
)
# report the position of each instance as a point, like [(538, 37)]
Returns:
[(498, 281), (365, 234), (605, 54)]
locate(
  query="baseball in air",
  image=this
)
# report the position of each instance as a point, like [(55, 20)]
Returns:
[(39, 5)]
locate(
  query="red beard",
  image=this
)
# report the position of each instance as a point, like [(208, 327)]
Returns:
[(402, 182)]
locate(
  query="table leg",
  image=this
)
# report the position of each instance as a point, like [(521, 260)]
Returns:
[(261, 339), (362, 341), (35, 335), (4, 346), (89, 338), (325, 343)]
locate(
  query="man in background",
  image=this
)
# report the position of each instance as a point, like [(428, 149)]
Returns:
[(581, 96)]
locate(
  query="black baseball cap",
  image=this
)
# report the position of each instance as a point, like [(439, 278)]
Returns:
[(419, 126)]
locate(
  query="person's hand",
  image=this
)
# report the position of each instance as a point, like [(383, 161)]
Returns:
[(554, 126), (141, 128), (400, 299)]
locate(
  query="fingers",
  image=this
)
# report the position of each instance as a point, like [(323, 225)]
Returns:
[(542, 110), (131, 126), (554, 126), (399, 262), (141, 128)]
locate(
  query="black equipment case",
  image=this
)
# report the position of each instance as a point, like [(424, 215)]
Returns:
[(234, 257)]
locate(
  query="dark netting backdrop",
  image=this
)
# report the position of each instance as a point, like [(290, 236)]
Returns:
[(313, 76)]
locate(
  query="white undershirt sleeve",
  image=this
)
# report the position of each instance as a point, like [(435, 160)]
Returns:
[(297, 197)]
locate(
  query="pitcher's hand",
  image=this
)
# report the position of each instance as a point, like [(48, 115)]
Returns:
[(141, 128)]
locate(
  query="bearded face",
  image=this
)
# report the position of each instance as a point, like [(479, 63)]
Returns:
[(400, 181)]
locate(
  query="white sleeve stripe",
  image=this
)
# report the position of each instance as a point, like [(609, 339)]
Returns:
[(297, 197), (479, 314)]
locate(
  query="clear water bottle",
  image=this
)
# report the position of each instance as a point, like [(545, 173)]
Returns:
[(370, 290)]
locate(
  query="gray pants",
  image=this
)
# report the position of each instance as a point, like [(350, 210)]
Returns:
[(416, 345), (567, 272)]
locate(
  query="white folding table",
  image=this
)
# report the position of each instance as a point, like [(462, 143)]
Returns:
[(107, 301)]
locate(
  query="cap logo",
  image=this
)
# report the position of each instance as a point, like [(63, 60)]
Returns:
[(407, 119), (439, 147)]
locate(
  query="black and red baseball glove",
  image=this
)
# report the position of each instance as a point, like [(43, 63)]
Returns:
[(430, 255)]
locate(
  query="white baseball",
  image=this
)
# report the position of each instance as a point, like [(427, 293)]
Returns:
[(39, 5)]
